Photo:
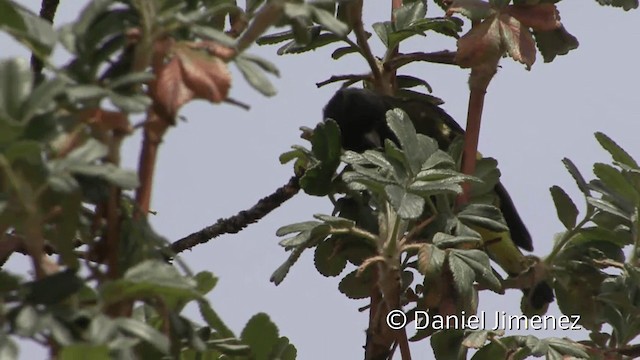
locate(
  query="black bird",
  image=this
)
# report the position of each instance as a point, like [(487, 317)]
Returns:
[(361, 116)]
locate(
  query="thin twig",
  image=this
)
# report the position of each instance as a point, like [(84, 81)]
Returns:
[(241, 220), (47, 12), (355, 17), (418, 228)]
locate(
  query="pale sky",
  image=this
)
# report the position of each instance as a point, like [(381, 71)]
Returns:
[(224, 159)]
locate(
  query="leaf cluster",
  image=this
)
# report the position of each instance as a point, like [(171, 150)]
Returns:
[(397, 211), (66, 202)]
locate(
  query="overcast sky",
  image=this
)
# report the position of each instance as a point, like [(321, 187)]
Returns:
[(223, 159)]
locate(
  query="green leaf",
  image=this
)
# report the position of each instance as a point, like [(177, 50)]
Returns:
[(283, 350), (382, 29), (447, 344), (81, 93), (89, 14), (41, 99), (28, 151), (298, 240), (566, 209), (205, 282), (151, 278), (438, 158), (463, 277), (316, 40), (484, 216), (327, 260), (297, 227), (145, 332), (356, 287), (255, 77), (607, 207), (625, 4), (15, 86), (555, 42), (10, 20), (281, 272), (614, 180), (407, 205), (213, 34), (575, 173), (275, 38), (135, 103), (490, 352), (329, 22), (263, 63), (85, 351), (336, 222), (406, 81), (404, 130), (326, 147), (431, 260), (617, 153), (28, 28), (290, 155), (566, 348), (370, 177), (342, 51), (478, 261), (378, 159), (443, 241), (261, 334), (131, 79), (298, 10), (445, 186), (213, 320), (408, 13)]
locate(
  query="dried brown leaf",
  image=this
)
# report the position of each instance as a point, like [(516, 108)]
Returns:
[(541, 17), (208, 77)]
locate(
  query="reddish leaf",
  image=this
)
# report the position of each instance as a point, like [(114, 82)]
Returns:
[(482, 44), (189, 74), (541, 17), (517, 40), (207, 76), (106, 120), (169, 91)]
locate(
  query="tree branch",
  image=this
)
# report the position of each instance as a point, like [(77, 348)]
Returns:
[(241, 220), (355, 17), (47, 12)]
